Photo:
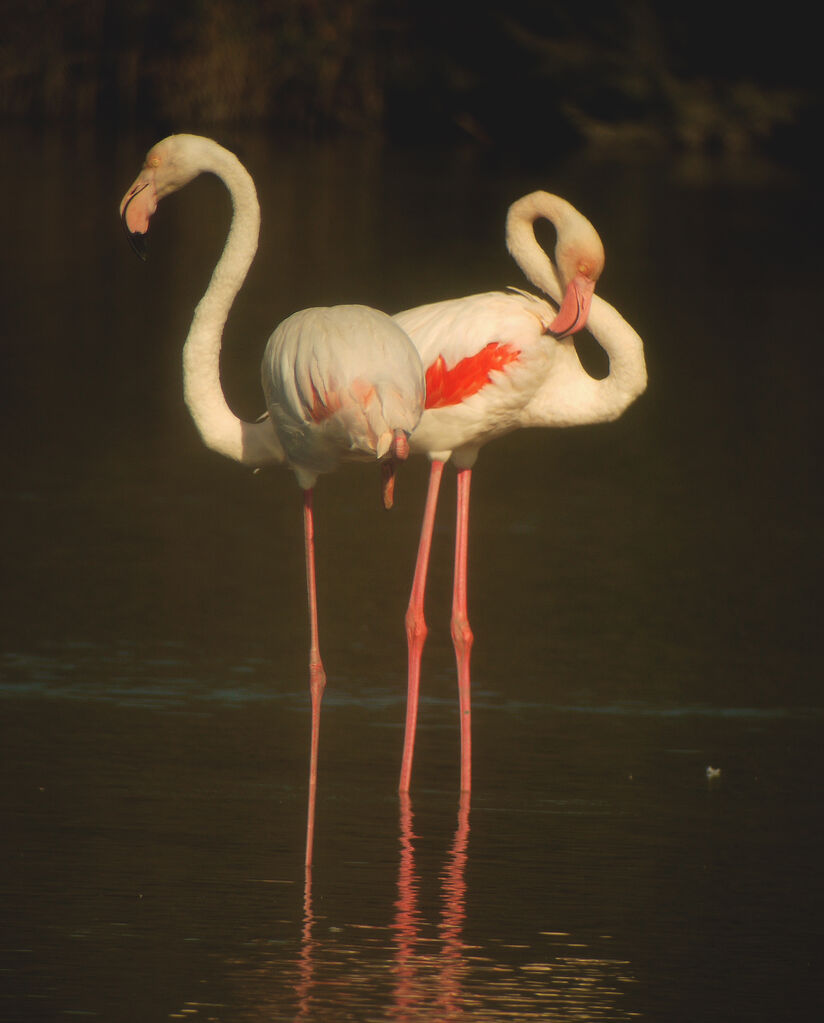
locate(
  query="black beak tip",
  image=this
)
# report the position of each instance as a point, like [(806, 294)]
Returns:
[(137, 242)]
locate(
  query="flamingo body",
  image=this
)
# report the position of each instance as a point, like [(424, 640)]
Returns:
[(341, 383), (496, 362), (485, 357)]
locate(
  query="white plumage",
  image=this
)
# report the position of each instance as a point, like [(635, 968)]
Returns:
[(337, 386), (496, 362), (341, 383)]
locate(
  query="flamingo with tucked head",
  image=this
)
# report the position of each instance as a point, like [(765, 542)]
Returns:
[(496, 362), (341, 383)]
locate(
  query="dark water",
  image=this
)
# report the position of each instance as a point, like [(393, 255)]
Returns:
[(645, 598)]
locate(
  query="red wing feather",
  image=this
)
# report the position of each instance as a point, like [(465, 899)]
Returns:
[(323, 407), (467, 377)]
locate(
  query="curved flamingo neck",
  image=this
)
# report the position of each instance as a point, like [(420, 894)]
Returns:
[(627, 377), (570, 396), (253, 444), (523, 246)]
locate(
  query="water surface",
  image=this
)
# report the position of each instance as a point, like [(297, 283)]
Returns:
[(644, 598)]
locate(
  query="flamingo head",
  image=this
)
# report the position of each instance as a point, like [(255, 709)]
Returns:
[(169, 165), (579, 256)]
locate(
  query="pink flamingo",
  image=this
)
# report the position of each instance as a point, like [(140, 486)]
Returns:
[(496, 362), (341, 383)]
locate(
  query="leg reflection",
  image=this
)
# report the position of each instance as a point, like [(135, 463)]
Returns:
[(424, 975), (429, 960), (407, 918), (306, 963), (453, 914)]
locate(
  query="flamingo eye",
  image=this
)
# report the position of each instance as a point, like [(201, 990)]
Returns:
[(589, 269)]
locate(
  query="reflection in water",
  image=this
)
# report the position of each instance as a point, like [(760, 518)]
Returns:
[(453, 912), (303, 988), (442, 977), (407, 916), (416, 982), (151, 724)]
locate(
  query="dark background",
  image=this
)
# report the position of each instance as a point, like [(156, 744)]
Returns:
[(523, 78)]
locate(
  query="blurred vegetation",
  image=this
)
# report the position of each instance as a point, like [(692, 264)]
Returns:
[(531, 73)]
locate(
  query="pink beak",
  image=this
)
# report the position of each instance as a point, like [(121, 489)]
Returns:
[(574, 311), (136, 209)]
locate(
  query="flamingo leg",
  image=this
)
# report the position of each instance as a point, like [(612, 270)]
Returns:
[(461, 632), (317, 676), (415, 624)]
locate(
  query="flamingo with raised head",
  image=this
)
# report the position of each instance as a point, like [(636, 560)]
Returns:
[(496, 362), (341, 383)]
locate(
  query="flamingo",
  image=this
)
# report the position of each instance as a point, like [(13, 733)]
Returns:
[(496, 362), (340, 383)]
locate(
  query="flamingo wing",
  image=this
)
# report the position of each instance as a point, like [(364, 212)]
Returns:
[(339, 382)]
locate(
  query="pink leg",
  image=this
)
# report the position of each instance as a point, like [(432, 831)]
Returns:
[(317, 676), (461, 632), (415, 624)]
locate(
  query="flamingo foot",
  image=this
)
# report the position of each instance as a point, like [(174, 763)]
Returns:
[(388, 483), (399, 452)]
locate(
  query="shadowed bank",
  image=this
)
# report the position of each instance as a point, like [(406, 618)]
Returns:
[(521, 79)]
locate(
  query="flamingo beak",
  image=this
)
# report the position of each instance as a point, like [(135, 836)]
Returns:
[(136, 209), (574, 311)]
